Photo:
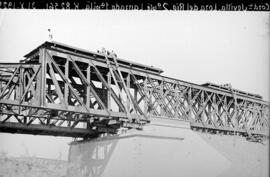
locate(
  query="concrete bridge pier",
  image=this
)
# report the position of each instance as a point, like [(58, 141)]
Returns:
[(164, 148)]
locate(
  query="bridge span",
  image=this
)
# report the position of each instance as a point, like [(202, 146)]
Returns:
[(61, 90)]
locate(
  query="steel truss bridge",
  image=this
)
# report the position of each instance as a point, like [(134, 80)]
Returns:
[(60, 90)]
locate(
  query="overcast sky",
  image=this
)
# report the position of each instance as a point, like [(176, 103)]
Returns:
[(199, 47)]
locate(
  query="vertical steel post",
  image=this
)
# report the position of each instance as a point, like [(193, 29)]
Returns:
[(41, 79), (162, 108), (136, 97), (109, 80), (21, 89), (146, 92), (88, 77), (128, 88)]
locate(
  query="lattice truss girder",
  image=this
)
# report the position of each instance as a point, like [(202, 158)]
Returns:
[(74, 91), (206, 109)]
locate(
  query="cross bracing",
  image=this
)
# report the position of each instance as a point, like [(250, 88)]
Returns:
[(64, 91)]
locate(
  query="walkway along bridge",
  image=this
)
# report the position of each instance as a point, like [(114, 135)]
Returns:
[(60, 90)]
